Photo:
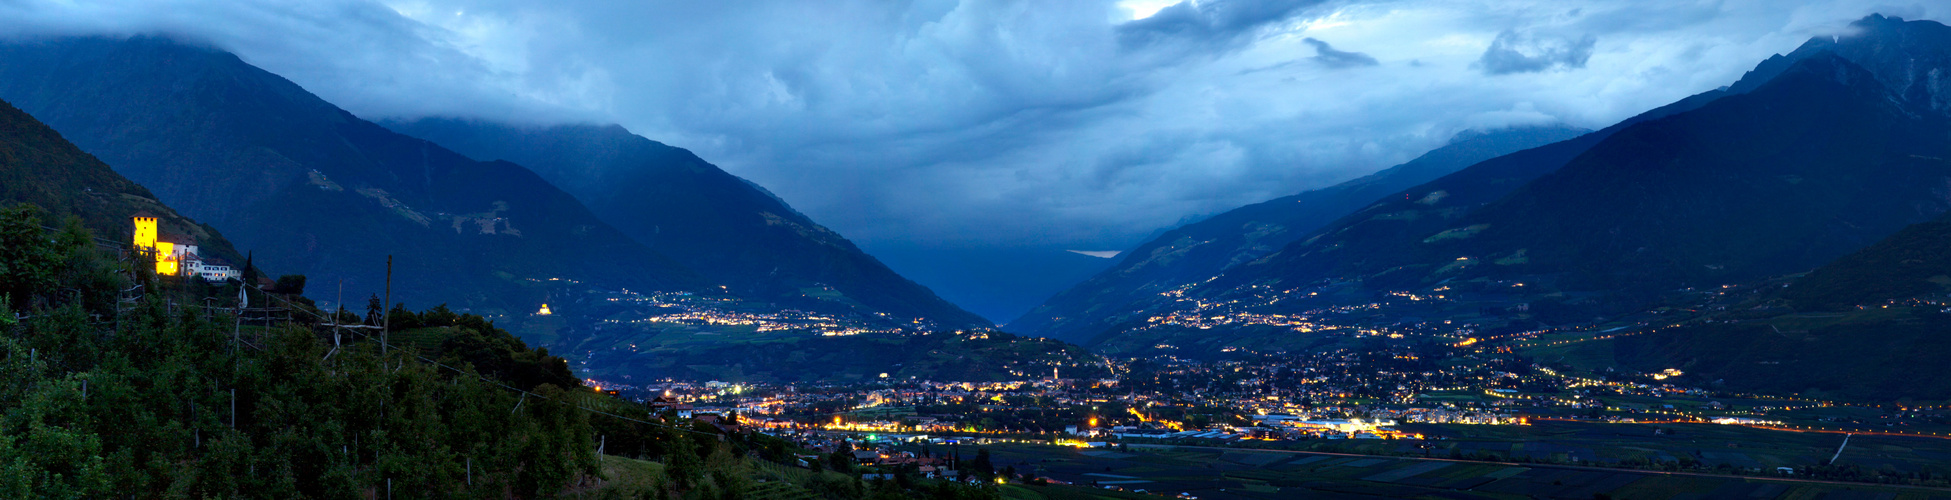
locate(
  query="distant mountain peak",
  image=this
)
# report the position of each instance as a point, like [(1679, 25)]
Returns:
[(1910, 58)]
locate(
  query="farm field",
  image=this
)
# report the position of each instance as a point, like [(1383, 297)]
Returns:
[(1217, 473)]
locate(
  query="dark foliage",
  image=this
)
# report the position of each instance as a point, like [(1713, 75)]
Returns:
[(164, 401)]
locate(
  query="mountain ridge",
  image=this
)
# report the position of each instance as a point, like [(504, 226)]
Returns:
[(1685, 200), (314, 189), (1809, 157), (1563, 186), (1193, 251), (729, 229)]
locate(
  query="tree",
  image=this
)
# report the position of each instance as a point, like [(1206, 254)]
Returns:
[(401, 319), (440, 315), (250, 274), (981, 465), (374, 309), (27, 261), (291, 284)]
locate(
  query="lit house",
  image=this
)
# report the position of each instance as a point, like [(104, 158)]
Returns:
[(216, 272), (176, 259), (661, 403)]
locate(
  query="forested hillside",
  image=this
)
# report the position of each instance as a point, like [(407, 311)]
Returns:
[(105, 394), (158, 398)]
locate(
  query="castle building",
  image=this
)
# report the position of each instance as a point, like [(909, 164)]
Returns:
[(176, 259)]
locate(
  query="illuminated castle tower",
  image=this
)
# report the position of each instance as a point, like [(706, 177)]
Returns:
[(167, 261), (176, 259), (145, 232)]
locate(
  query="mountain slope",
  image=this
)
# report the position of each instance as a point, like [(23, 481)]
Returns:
[(1197, 251), (1914, 262), (1909, 58), (1810, 166), (313, 189), (1844, 146), (1868, 326), (38, 166), (729, 230), (1406, 216), (1814, 163), (1901, 54)]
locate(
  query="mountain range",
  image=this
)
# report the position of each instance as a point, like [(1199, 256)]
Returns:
[(1770, 225), (1195, 252), (1808, 157), (1706, 215), (314, 190), (1817, 158), (731, 231), (1813, 164)]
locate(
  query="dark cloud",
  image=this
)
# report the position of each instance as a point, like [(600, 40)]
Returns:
[(1512, 52), (1208, 24), (1328, 56), (1272, 67)]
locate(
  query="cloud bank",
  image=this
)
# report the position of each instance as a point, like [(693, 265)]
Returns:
[(1515, 53)]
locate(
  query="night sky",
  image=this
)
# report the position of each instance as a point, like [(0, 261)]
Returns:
[(970, 144)]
